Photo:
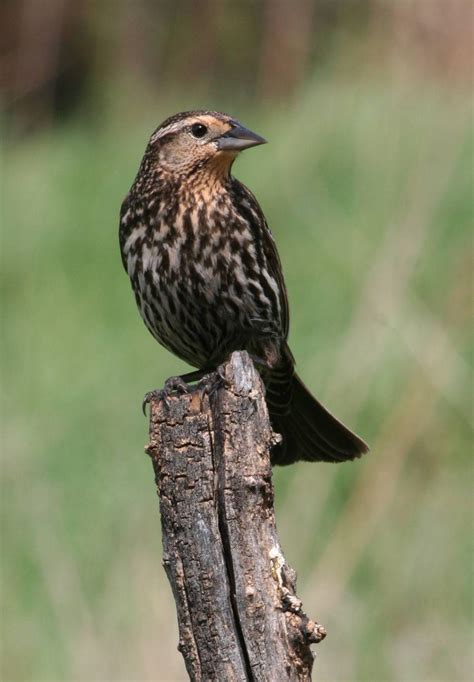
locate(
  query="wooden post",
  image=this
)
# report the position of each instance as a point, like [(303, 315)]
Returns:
[(239, 617)]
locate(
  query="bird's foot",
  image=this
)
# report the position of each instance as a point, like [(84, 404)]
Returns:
[(210, 383), (172, 385)]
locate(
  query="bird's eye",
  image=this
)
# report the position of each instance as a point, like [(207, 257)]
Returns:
[(198, 130)]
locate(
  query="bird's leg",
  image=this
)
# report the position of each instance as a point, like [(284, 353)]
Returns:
[(208, 383), (178, 384), (188, 378)]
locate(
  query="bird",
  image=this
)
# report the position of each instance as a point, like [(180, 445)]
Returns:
[(208, 280)]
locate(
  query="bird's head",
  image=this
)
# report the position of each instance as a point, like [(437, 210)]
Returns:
[(199, 140)]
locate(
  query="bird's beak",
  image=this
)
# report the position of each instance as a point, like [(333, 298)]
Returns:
[(238, 138)]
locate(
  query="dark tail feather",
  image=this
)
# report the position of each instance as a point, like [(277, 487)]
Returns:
[(309, 431)]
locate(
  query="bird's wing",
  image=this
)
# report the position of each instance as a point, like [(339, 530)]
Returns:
[(125, 228), (263, 239), (277, 272)]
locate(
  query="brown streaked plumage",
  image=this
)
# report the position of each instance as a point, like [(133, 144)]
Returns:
[(207, 277)]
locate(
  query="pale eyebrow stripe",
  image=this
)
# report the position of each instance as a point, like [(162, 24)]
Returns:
[(180, 125), (172, 128)]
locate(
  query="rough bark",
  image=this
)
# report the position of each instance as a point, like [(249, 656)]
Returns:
[(239, 617)]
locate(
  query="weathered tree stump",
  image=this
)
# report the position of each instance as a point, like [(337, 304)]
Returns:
[(239, 617)]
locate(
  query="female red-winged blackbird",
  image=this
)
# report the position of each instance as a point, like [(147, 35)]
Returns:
[(207, 277)]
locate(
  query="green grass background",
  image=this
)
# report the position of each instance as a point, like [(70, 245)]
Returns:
[(368, 189)]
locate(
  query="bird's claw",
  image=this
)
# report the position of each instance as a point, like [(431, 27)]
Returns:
[(172, 385), (148, 397), (207, 385), (210, 383)]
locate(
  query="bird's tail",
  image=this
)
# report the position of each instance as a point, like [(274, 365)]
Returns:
[(309, 431)]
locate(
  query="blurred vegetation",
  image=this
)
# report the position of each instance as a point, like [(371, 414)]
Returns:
[(367, 184)]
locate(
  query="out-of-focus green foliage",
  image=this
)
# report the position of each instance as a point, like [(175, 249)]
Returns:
[(367, 185)]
